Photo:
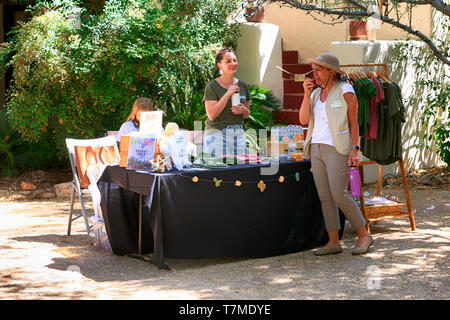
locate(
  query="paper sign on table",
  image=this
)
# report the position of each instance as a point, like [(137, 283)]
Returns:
[(151, 121), (141, 151)]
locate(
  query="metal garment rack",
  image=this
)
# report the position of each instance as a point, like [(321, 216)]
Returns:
[(383, 65), (388, 214)]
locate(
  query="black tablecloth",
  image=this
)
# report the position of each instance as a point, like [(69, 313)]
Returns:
[(186, 219)]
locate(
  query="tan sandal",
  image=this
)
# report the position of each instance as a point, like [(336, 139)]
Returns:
[(365, 249), (326, 251)]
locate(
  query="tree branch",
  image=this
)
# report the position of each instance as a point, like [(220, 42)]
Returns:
[(364, 13), (437, 53), (310, 7), (437, 4), (440, 6)]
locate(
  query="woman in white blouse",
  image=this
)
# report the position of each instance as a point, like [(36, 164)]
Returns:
[(132, 123), (331, 113)]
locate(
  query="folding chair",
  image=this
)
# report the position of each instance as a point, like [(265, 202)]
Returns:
[(76, 185), (112, 133)]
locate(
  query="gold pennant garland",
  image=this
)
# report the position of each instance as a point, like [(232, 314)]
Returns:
[(261, 184)]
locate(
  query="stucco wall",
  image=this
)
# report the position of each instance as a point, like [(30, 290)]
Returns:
[(258, 53), (405, 74), (309, 37), (301, 32)]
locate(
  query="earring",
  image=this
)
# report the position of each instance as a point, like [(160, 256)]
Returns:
[(220, 72)]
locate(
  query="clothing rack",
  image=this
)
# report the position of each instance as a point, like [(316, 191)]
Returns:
[(381, 212), (384, 65)]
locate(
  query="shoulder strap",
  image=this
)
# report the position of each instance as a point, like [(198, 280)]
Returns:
[(315, 96)]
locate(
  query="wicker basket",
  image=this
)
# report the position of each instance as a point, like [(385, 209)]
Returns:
[(377, 211)]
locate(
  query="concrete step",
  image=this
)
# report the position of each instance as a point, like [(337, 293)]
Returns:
[(286, 116), (292, 101), (291, 86), (292, 90), (290, 57)]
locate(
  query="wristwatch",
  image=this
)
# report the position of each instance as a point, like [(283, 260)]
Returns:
[(355, 147)]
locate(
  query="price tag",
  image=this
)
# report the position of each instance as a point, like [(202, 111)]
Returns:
[(299, 77)]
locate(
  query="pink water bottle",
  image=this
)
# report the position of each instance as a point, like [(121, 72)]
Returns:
[(353, 176)]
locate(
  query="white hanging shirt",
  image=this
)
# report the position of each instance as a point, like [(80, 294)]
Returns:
[(322, 131)]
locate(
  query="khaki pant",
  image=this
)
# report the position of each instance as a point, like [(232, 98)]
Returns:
[(330, 172)]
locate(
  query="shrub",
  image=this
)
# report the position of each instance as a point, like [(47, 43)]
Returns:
[(261, 106), (81, 82)]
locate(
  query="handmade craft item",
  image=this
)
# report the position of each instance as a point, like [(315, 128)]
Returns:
[(261, 185), (160, 164), (217, 182), (171, 127)]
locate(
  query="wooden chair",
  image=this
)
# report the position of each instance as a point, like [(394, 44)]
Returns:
[(376, 213)]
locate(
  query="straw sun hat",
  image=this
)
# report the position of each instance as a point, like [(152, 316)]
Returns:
[(327, 60)]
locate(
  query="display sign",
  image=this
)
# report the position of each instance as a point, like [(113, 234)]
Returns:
[(151, 121), (141, 151)]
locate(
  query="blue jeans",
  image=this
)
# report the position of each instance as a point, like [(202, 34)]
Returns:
[(228, 141)]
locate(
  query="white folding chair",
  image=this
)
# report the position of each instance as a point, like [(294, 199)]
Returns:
[(112, 133), (76, 186)]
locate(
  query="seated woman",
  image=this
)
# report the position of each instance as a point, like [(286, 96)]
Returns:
[(132, 122), (224, 132)]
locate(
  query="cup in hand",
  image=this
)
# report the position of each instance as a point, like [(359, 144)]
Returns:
[(235, 99)]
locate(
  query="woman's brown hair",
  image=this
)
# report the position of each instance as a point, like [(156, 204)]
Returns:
[(141, 104), (221, 53)]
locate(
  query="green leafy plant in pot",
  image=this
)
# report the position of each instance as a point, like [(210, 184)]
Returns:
[(255, 11)]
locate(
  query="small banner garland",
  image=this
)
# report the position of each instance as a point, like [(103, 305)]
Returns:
[(261, 184)]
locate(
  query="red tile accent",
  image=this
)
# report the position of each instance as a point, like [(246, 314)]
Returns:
[(290, 86), (290, 56), (292, 101), (286, 117), (292, 91)]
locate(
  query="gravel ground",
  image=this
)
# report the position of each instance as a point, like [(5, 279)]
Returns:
[(37, 261)]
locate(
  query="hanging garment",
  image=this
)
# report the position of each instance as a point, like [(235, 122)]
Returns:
[(364, 89), (373, 104), (387, 147)]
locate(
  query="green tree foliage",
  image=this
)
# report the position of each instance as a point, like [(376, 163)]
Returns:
[(433, 89), (15, 154), (82, 81)]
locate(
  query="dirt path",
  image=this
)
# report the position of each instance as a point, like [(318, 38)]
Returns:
[(37, 261)]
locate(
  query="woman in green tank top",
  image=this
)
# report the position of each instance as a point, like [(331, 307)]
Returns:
[(224, 126)]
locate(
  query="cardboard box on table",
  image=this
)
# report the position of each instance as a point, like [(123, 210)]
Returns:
[(283, 146), (123, 150)]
